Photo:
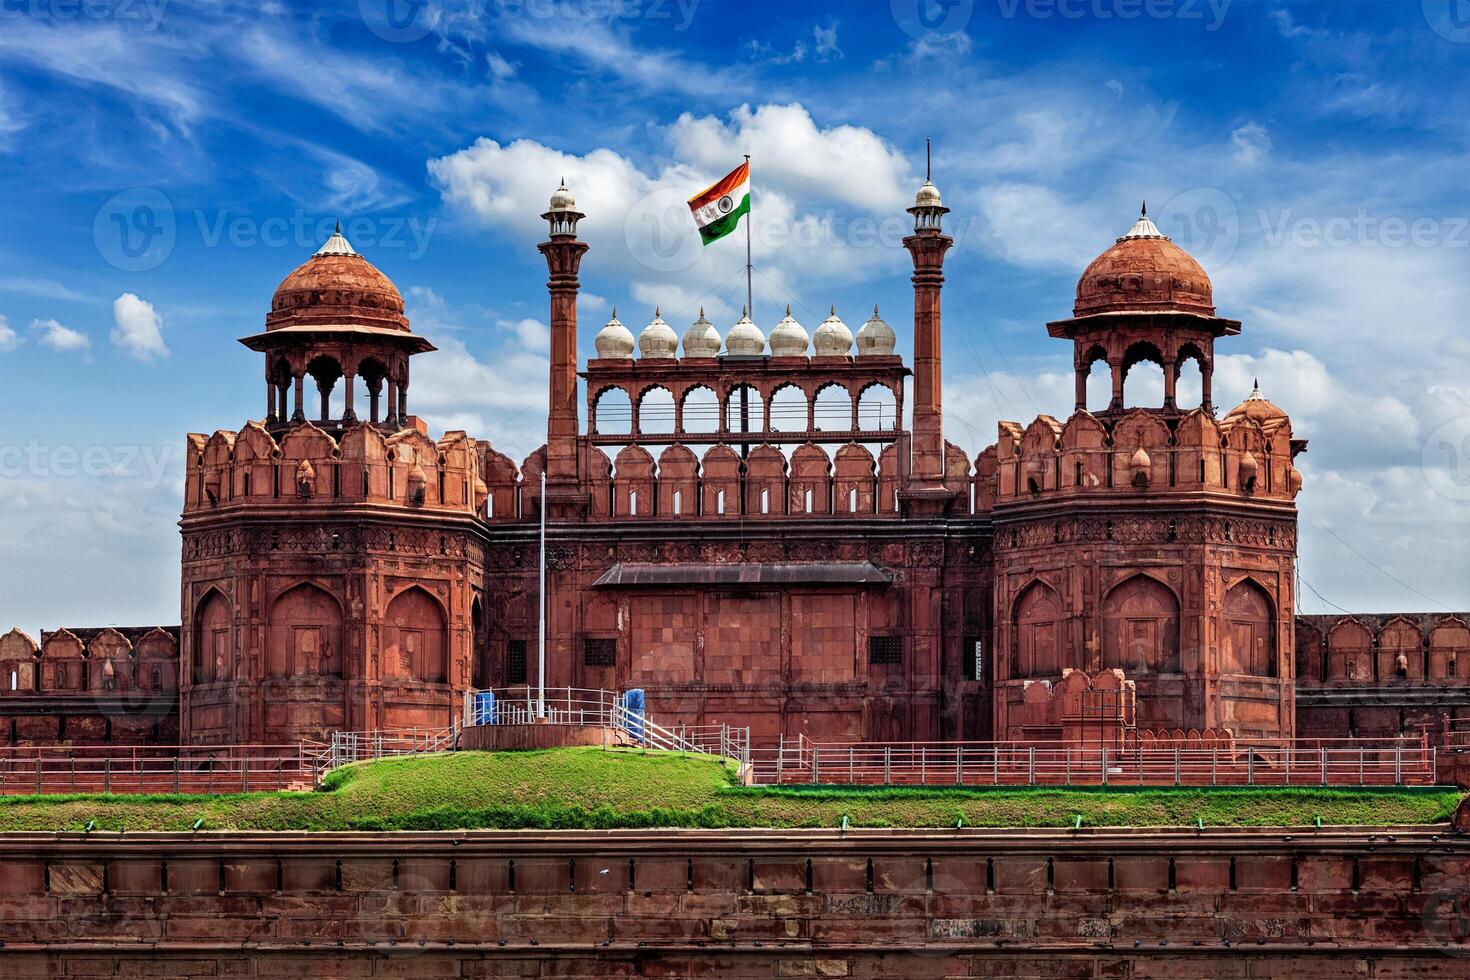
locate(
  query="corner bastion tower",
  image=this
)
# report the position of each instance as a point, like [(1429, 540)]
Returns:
[(1144, 556), (330, 551)]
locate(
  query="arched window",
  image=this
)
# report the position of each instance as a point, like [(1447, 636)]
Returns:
[(213, 652), (1249, 630), (833, 409), (1037, 624), (701, 410), (877, 408), (305, 634), (656, 412), (612, 413), (743, 410), (1143, 377), (788, 409), (1141, 627), (1189, 378), (415, 646)]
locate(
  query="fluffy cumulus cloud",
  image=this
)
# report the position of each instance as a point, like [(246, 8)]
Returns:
[(851, 183), (488, 376), (9, 340), (59, 337), (138, 329), (1249, 144)]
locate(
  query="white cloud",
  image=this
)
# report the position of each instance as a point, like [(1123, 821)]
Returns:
[(500, 69), (1249, 144), (9, 341), (826, 43), (791, 153), (640, 229), (139, 328), (532, 334), (59, 337)]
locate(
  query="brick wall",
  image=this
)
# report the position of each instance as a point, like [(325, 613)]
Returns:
[(1380, 903)]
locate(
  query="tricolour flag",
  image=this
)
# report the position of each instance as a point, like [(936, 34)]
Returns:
[(718, 208)]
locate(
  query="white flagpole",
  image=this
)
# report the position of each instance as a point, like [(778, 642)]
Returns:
[(541, 638), (749, 301)]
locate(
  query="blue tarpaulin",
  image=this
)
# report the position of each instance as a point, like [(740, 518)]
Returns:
[(633, 713)]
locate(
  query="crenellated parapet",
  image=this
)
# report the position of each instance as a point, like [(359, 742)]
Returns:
[(309, 466), (1241, 457)]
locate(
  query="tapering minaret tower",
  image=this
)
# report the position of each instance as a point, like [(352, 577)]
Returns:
[(925, 492), (563, 257)]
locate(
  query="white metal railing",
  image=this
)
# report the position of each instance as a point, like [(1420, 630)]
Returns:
[(349, 747), (1346, 762), (606, 709)]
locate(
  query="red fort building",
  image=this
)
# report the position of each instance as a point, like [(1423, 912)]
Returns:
[(745, 528)]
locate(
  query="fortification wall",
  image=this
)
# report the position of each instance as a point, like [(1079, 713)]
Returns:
[(1382, 674), (1367, 902), (97, 686)]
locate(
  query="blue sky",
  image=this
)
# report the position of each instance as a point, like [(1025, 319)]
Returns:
[(1312, 156)]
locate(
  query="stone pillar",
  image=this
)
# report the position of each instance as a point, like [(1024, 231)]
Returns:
[(392, 418), (925, 491), (403, 402), (1116, 405), (270, 402), (1081, 387), (563, 254), (1206, 373), (299, 414), (348, 415), (1171, 381)]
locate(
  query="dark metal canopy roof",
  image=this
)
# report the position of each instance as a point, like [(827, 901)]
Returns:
[(637, 574)]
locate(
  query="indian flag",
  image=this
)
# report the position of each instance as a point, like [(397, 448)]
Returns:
[(718, 208)]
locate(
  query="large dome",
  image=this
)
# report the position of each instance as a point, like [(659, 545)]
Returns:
[(1144, 272), (337, 286)]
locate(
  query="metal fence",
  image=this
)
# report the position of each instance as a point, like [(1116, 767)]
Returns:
[(606, 709), (159, 769), (1347, 762)]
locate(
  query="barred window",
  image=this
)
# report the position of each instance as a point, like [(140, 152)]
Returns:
[(515, 661), (598, 652), (885, 649), (973, 657)]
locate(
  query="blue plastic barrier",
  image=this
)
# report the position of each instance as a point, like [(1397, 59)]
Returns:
[(633, 713), (482, 709)]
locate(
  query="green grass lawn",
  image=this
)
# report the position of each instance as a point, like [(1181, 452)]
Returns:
[(582, 788)]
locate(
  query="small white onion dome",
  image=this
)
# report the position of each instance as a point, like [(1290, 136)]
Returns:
[(927, 197), (745, 338), (1140, 467), (614, 339), (832, 338), (561, 198), (789, 338), (701, 339), (658, 338), (876, 337)]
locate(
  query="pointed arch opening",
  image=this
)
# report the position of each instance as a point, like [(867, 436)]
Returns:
[(1037, 621), (1141, 627), (415, 641), (1249, 631)]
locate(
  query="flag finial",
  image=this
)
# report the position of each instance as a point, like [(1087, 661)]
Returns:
[(338, 230), (1143, 212), (928, 158), (656, 312)]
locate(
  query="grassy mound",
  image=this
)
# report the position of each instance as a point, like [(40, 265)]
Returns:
[(593, 788)]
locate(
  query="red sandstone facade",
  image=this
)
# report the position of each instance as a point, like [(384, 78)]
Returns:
[(745, 528)]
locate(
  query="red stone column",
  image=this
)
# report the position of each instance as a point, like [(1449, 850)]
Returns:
[(563, 257), (926, 492)]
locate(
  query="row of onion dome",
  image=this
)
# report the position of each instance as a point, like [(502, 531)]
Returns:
[(788, 338)]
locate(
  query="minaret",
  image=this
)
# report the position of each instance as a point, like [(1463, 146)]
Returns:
[(563, 256), (926, 492)]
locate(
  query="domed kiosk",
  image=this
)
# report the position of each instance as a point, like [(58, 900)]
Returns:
[(336, 318), (1144, 299)]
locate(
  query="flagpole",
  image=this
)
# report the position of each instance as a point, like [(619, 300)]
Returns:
[(749, 301), (541, 631)]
